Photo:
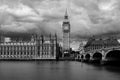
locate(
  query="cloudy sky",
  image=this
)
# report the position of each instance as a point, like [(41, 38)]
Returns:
[(87, 17)]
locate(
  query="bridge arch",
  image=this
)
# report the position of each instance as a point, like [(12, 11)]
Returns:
[(82, 57), (113, 55), (97, 56), (87, 56)]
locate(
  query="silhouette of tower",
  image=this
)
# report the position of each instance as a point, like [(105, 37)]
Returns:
[(1, 35), (66, 34)]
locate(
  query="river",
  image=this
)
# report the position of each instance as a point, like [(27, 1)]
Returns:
[(63, 70)]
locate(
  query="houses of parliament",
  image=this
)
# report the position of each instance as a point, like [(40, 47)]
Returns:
[(39, 47)]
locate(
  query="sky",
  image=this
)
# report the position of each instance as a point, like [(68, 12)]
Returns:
[(87, 17)]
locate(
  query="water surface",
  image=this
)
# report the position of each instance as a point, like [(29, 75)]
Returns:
[(56, 71)]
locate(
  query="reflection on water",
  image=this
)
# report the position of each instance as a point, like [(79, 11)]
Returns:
[(56, 71)]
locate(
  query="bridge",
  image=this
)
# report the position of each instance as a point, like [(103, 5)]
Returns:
[(101, 50)]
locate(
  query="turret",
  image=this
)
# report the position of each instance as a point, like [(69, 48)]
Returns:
[(32, 38), (56, 38), (41, 38), (50, 37)]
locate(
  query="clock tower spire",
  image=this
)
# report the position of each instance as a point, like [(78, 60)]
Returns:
[(66, 35), (66, 15)]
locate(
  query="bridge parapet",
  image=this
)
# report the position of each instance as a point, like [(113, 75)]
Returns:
[(103, 49)]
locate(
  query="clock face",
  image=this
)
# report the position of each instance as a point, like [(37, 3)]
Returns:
[(66, 28)]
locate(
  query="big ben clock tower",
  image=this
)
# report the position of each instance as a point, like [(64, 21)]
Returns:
[(66, 35)]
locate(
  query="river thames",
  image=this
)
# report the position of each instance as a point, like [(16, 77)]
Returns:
[(63, 70)]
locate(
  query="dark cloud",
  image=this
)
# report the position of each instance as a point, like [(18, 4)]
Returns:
[(87, 17)]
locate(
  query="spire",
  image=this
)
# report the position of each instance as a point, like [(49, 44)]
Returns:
[(32, 37), (55, 36), (66, 14), (42, 37), (50, 36)]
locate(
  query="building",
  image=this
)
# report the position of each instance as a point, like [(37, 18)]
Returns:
[(39, 47), (81, 47), (66, 34)]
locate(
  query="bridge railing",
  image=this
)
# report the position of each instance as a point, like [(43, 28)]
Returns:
[(107, 48)]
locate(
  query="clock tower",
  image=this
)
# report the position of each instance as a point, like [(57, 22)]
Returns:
[(66, 35)]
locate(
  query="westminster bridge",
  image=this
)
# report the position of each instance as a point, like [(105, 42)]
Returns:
[(103, 50)]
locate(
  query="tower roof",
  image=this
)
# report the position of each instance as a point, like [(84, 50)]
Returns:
[(66, 14)]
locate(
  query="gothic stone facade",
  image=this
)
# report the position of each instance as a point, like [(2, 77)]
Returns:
[(38, 47)]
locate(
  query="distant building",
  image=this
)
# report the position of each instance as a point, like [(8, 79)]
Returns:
[(39, 47), (81, 47), (100, 43)]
